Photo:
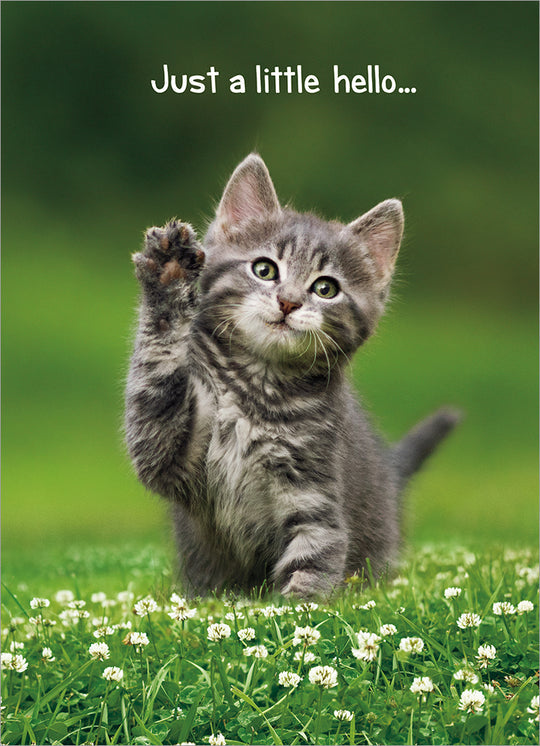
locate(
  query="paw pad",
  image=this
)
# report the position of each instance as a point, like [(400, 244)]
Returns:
[(171, 254)]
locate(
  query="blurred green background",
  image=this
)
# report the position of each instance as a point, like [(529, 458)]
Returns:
[(92, 156)]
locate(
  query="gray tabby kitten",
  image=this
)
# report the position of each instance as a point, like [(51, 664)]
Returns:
[(238, 408)]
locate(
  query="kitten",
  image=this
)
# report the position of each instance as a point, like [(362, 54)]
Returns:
[(238, 409)]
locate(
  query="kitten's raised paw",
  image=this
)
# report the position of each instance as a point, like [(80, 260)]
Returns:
[(171, 253)]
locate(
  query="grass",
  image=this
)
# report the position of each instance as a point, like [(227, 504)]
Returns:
[(184, 687)]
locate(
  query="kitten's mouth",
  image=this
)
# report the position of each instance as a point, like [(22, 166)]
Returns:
[(280, 324)]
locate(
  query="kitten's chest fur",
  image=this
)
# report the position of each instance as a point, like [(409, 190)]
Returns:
[(253, 460), (241, 450)]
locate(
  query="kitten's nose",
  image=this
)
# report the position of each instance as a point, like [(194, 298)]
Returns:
[(287, 306)]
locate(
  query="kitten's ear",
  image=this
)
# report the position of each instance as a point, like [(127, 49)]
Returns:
[(249, 194), (380, 231)]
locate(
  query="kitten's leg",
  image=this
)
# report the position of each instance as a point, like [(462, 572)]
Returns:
[(313, 561), (162, 416)]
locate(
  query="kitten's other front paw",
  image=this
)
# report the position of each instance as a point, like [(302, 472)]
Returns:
[(171, 255), (306, 584)]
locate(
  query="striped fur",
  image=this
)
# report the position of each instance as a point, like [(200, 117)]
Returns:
[(237, 407)]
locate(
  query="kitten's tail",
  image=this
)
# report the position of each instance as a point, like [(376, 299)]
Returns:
[(409, 454)]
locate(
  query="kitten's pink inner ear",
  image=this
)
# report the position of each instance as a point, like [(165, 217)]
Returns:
[(380, 231), (249, 193)]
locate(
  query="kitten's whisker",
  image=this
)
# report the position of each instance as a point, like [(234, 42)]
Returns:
[(327, 359), (303, 351), (312, 337), (222, 323), (335, 344)]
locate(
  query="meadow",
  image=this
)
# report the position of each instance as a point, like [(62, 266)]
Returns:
[(99, 648), (79, 532), (92, 155)]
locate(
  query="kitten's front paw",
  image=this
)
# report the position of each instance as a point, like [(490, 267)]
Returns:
[(171, 255), (306, 584)]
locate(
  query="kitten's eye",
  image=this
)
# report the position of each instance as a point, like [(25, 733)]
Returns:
[(325, 287), (265, 269)]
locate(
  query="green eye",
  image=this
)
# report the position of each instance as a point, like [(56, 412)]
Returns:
[(325, 287), (265, 269)]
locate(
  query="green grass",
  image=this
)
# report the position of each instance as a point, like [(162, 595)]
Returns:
[(184, 687)]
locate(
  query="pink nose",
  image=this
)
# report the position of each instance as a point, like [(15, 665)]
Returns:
[(287, 306)]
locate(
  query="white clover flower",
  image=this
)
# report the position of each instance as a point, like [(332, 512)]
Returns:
[(14, 622), (257, 651), (525, 606), (98, 598), (442, 575), (180, 610), (70, 616), (137, 639), (14, 662), (306, 607), (39, 603), (465, 674), (324, 676), (489, 688), (19, 663), (468, 619), (145, 606), (103, 631), (47, 655), (67, 617), (77, 604), (306, 636), (421, 685), (534, 709), (246, 634), (14, 645), (217, 632), (345, 715), (218, 740), (387, 629), (530, 574), (368, 605), (471, 700), (452, 592), (272, 611), (411, 644), (309, 657), (289, 679), (503, 608), (99, 651), (486, 653), (113, 673), (64, 596), (125, 597), (123, 625), (400, 580), (368, 645)]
